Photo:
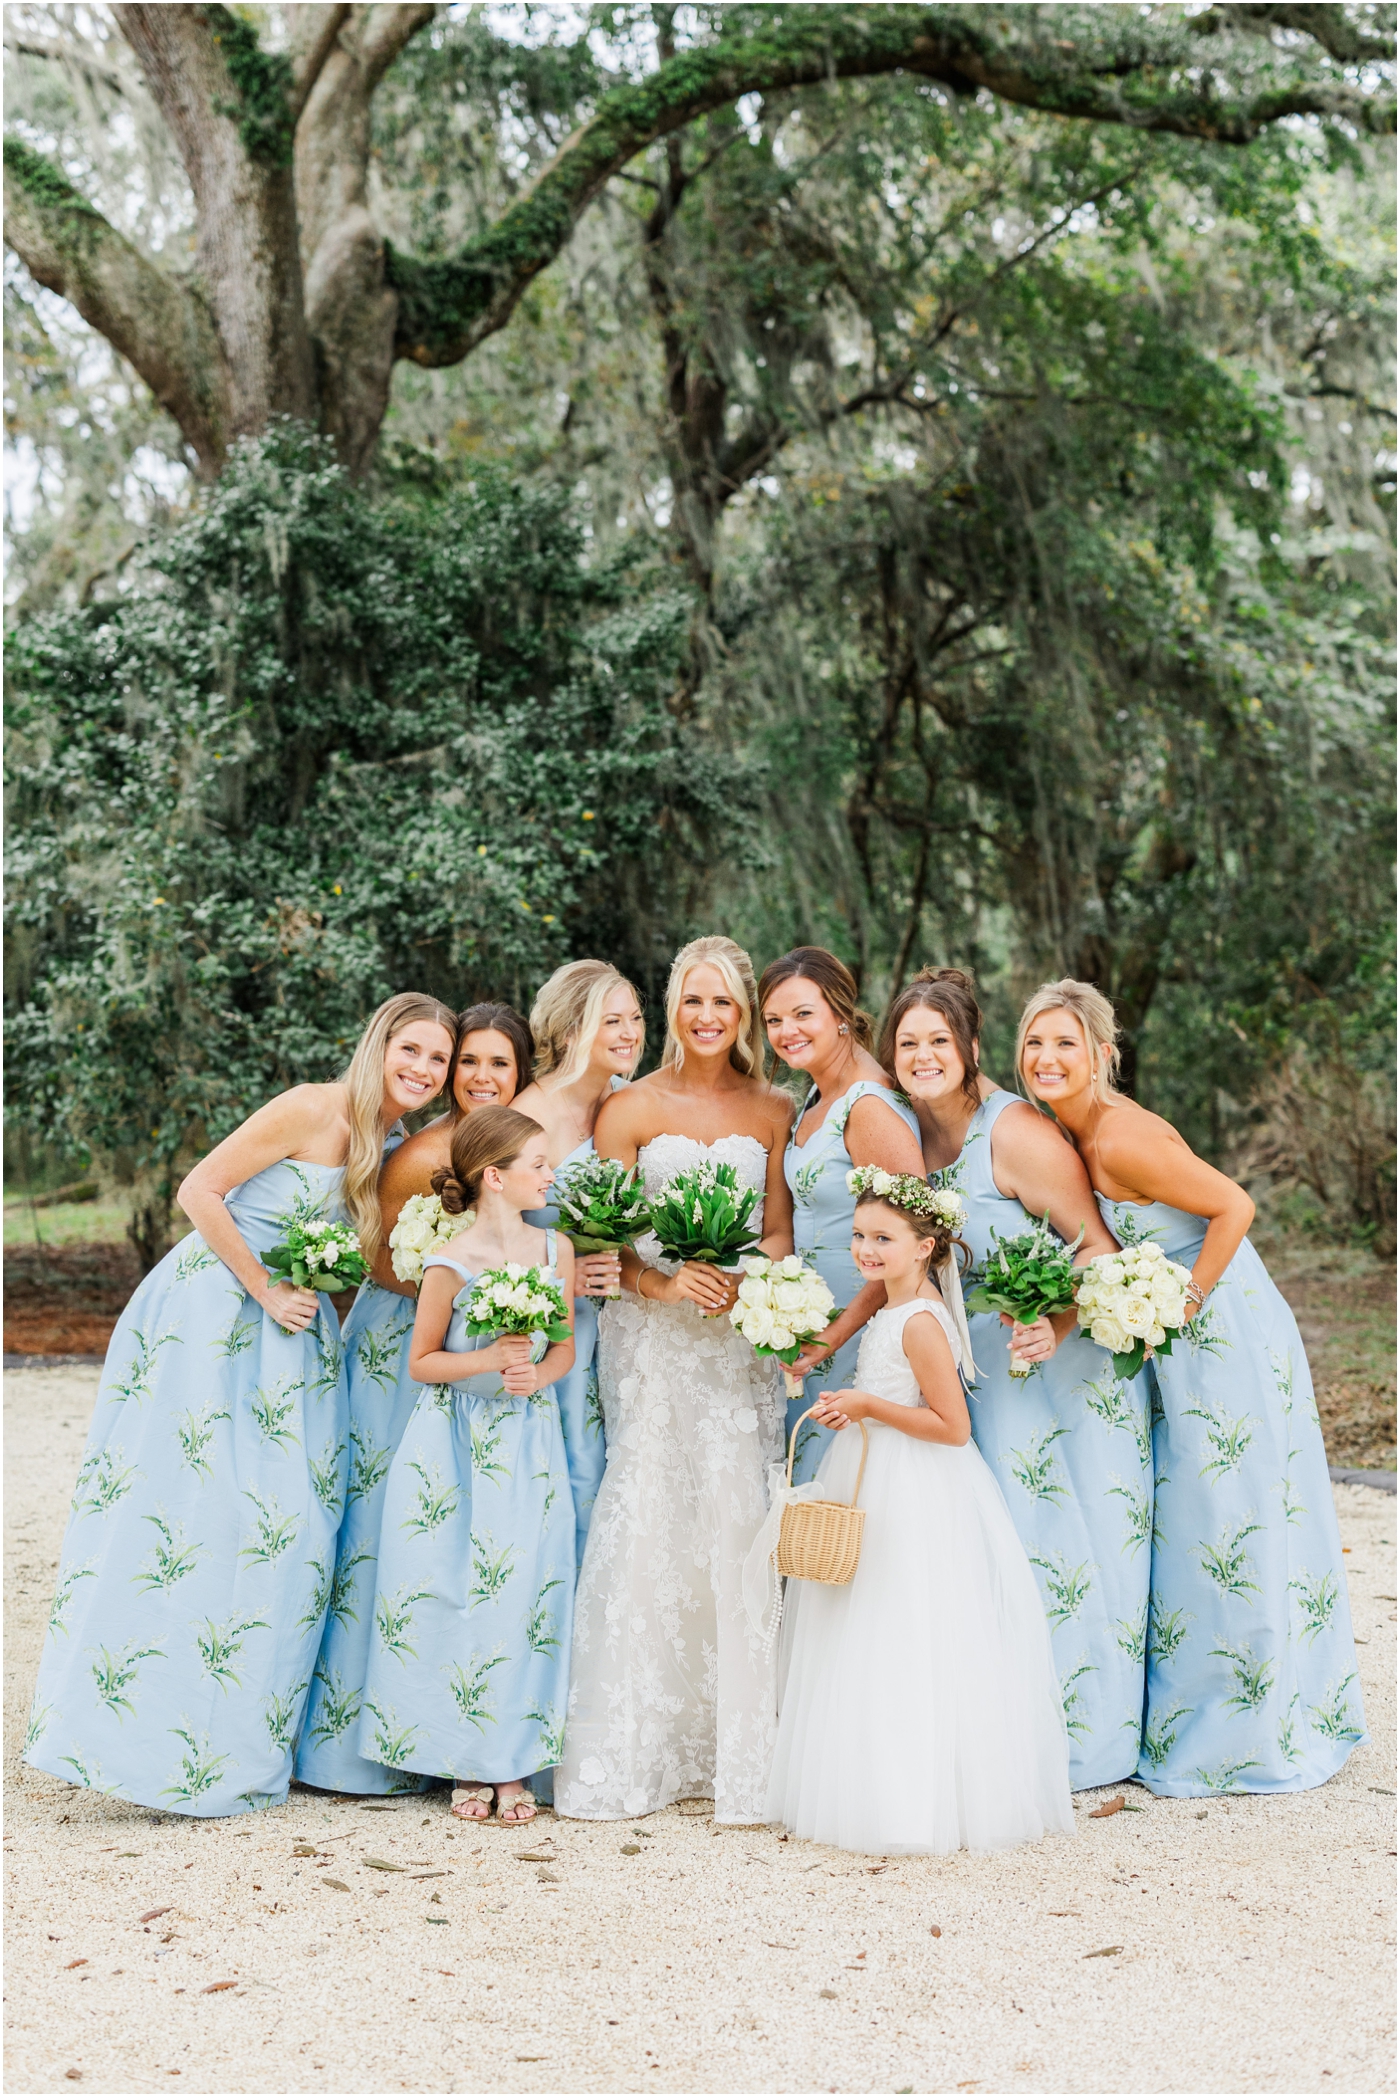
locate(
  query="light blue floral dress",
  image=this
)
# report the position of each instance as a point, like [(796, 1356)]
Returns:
[(1251, 1682), (468, 1673), (381, 1396), (823, 1211), (199, 1560), (580, 1408), (1071, 1448)]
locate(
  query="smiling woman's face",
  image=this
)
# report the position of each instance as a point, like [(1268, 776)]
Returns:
[(1056, 1062), (801, 1026), (486, 1075), (416, 1063), (927, 1061), (709, 1018)]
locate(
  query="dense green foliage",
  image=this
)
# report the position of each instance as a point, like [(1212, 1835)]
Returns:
[(328, 747), (905, 521)]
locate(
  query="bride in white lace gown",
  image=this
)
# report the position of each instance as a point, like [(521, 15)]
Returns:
[(673, 1695)]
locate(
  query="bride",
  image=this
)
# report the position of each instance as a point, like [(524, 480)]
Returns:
[(673, 1695)]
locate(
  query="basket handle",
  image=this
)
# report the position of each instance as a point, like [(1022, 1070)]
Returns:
[(864, 1449)]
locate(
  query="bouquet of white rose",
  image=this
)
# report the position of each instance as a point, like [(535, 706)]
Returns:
[(318, 1255), (514, 1299), (1134, 1304), (782, 1304), (424, 1227)]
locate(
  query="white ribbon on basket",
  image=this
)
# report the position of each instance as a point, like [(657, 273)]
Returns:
[(761, 1583)]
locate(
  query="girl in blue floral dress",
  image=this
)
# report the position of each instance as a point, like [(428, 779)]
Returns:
[(1252, 1681), (851, 1117), (468, 1667), (200, 1556), (490, 1058)]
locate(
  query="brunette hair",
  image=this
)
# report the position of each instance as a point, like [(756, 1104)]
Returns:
[(945, 1238), (1096, 1018), (491, 1136), (567, 1013), (496, 1019), (832, 978), (717, 952), (949, 992), (363, 1080)]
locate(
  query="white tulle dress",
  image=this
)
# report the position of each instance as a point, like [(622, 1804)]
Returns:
[(920, 1711)]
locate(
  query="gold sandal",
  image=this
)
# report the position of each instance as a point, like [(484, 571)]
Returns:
[(463, 1795), (523, 1797)]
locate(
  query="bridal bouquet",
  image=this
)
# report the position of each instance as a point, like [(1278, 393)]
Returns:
[(1028, 1277), (1134, 1303), (704, 1215), (782, 1304), (602, 1205), (424, 1227), (318, 1255), (514, 1299)]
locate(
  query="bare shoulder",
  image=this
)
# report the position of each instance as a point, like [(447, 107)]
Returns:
[(1131, 1133), (630, 1114), (306, 1109), (1032, 1134), (408, 1169), (776, 1106)]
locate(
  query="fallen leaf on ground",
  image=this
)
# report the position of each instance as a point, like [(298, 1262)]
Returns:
[(420, 1875), (536, 1856), (631, 1849), (339, 1885), (382, 1864), (778, 1947), (1108, 1951), (827, 1994), (303, 1849), (1110, 1806), (73, 2074), (151, 1914), (436, 1918), (74, 1962), (551, 1878), (935, 1931), (217, 1987)]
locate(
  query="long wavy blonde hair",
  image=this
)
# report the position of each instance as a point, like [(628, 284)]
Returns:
[(1096, 1019), (567, 1013), (717, 952), (363, 1080)]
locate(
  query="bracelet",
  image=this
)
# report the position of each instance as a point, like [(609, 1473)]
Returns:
[(642, 1296), (1193, 1288)]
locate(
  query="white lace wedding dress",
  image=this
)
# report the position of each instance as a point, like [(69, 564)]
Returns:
[(673, 1695)]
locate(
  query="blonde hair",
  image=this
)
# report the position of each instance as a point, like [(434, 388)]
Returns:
[(363, 1080), (717, 952), (1097, 1023), (567, 1013)]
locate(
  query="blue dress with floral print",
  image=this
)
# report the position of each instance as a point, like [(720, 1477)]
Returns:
[(468, 1672), (1251, 1678), (1072, 1451), (580, 1409), (823, 1211), (198, 1563)]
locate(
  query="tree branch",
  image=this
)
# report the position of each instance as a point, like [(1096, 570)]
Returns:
[(1124, 69), (1339, 35), (313, 34), (159, 325)]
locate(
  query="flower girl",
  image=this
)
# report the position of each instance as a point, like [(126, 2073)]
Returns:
[(920, 1709), (473, 1610)]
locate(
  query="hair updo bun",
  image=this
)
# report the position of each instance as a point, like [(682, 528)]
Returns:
[(491, 1136)]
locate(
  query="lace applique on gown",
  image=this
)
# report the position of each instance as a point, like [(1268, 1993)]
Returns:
[(673, 1695)]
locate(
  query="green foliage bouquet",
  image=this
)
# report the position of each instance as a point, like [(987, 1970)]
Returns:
[(602, 1205), (704, 1215), (1027, 1278), (318, 1255)]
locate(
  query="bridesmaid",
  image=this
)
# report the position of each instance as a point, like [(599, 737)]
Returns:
[(1251, 1680), (199, 1561), (468, 1668), (1070, 1444), (587, 1024), (491, 1055), (850, 1117)]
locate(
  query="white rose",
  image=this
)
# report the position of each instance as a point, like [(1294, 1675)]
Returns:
[(789, 1296), (881, 1180), (1110, 1333), (783, 1337), (758, 1326), (792, 1266), (753, 1289), (754, 1264), (1107, 1268)]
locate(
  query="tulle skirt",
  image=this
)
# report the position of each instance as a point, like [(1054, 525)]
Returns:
[(920, 1710)]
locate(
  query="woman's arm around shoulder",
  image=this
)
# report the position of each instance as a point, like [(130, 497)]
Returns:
[(1036, 1163), (778, 1109), (408, 1170)]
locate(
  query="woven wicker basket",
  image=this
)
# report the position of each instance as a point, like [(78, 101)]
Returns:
[(820, 1539)]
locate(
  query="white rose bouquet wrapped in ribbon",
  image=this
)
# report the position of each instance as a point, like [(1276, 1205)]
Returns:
[(423, 1227), (782, 1304), (318, 1255), (1134, 1303), (515, 1299)]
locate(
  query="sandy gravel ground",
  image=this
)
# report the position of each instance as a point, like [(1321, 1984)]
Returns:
[(1184, 1945)]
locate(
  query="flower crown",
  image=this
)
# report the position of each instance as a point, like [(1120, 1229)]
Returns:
[(936, 1204)]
